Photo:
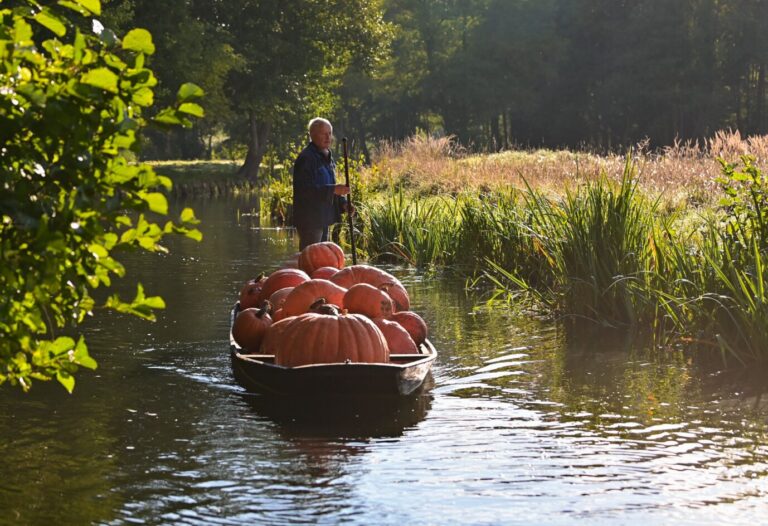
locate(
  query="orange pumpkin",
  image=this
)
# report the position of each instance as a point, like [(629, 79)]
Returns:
[(305, 294), (324, 254), (324, 273), (279, 279), (320, 338), (398, 339), (278, 298), (367, 299), (250, 327), (249, 294), (277, 315), (413, 323), (355, 274)]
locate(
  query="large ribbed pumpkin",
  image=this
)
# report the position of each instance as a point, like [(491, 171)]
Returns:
[(398, 339), (250, 327), (251, 291), (413, 323), (279, 279), (301, 298), (355, 274), (320, 338), (367, 299), (324, 254)]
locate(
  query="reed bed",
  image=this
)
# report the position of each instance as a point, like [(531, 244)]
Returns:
[(606, 251)]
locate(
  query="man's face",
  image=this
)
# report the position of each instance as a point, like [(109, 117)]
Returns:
[(322, 136)]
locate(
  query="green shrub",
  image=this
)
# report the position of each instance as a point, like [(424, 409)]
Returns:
[(71, 106)]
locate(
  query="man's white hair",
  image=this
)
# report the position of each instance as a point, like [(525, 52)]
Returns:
[(318, 121)]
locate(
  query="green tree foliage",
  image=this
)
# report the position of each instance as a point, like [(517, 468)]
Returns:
[(191, 45), (602, 73), (71, 101), (294, 53)]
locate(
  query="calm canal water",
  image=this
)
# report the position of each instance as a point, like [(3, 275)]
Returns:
[(519, 425)]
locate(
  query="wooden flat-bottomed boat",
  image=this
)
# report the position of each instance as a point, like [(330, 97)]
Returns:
[(403, 375)]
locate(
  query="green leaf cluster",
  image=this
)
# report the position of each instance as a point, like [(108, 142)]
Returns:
[(71, 198)]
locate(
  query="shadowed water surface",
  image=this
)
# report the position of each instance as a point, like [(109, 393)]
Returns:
[(518, 426)]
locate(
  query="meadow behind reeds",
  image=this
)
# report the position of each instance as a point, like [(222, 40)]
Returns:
[(673, 244), (683, 172)]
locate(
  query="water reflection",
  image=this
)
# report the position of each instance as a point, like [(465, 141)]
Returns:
[(522, 425), (342, 417)]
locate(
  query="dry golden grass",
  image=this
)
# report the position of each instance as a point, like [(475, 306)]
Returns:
[(684, 172)]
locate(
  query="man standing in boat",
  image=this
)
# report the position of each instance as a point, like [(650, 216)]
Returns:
[(317, 200)]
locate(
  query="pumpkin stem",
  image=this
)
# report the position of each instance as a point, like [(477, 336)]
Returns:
[(266, 308), (317, 303), (320, 306)]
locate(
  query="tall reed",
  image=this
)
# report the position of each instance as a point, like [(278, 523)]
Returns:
[(418, 231)]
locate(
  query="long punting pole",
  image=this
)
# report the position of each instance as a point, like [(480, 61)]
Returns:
[(349, 201)]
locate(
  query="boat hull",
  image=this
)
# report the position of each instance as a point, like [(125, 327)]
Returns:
[(402, 376)]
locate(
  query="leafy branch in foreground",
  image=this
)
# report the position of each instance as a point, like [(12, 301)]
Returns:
[(71, 104)]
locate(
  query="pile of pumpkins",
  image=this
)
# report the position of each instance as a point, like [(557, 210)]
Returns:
[(317, 310)]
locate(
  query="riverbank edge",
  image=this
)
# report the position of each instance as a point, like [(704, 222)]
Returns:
[(204, 178)]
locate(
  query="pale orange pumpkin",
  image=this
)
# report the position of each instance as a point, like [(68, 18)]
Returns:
[(250, 327), (413, 323), (305, 294), (367, 299), (278, 298), (323, 254), (321, 338), (398, 339), (355, 274), (324, 273), (279, 279), (251, 291)]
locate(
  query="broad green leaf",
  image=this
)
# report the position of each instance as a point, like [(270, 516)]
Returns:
[(194, 234), (98, 250), (74, 6), (165, 182), (67, 380), (189, 91), (191, 108), (82, 357), (102, 78), (168, 116), (187, 216), (61, 345), (47, 19), (143, 97), (139, 40), (94, 6), (156, 201)]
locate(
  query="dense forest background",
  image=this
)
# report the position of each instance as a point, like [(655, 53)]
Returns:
[(597, 74)]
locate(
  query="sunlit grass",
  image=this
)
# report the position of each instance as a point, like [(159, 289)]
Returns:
[(684, 174)]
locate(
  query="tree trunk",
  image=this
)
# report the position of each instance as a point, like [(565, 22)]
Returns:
[(505, 124), (257, 145), (360, 127), (495, 134), (760, 120)]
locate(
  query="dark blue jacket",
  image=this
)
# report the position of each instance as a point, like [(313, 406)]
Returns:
[(314, 203)]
